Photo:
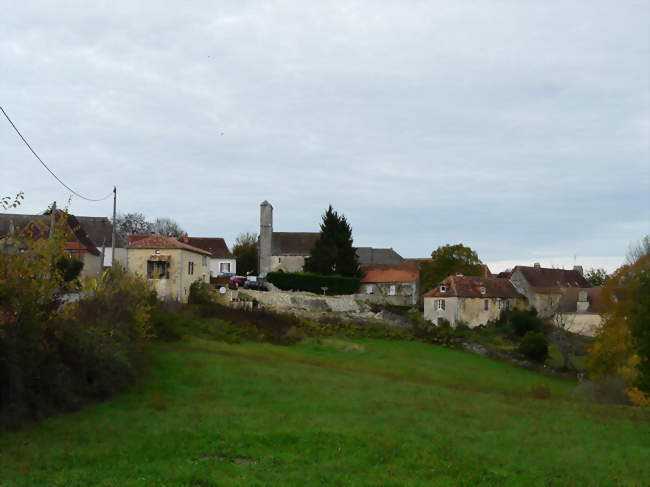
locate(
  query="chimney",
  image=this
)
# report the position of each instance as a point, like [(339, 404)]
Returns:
[(185, 238), (578, 268), (537, 266)]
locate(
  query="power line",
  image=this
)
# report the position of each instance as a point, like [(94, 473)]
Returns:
[(45, 165)]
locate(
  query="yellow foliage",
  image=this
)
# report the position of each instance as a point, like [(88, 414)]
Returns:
[(638, 397)]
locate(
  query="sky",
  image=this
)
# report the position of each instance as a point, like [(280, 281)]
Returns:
[(519, 128)]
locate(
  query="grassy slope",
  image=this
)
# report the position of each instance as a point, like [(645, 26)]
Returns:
[(340, 413)]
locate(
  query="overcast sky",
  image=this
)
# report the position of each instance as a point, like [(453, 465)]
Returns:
[(519, 128)]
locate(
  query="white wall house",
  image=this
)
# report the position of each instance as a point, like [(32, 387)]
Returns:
[(221, 259)]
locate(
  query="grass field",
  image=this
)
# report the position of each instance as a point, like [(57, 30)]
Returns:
[(332, 413)]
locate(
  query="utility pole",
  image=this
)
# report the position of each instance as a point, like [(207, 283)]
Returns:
[(52, 220), (113, 236)]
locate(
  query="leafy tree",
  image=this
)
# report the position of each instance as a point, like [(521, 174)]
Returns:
[(448, 260), (596, 277), (333, 253), (132, 223), (7, 202), (167, 228), (622, 345), (245, 251)]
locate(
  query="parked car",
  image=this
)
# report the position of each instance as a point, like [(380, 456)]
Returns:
[(236, 281), (255, 286)]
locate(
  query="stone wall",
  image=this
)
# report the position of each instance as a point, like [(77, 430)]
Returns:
[(295, 301)]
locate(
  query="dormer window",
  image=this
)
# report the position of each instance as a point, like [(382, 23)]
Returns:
[(482, 289), (443, 289)]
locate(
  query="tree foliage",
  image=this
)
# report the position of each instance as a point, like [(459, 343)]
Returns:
[(245, 251), (622, 345), (448, 260), (596, 277), (7, 202), (334, 253)]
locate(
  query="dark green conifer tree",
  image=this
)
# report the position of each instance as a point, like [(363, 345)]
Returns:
[(334, 253)]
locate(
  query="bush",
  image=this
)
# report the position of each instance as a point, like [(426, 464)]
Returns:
[(200, 293), (534, 346), (302, 281), (521, 321), (540, 390)]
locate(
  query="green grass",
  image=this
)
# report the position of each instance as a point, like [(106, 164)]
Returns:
[(332, 413)]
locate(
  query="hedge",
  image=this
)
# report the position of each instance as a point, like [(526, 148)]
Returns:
[(302, 281)]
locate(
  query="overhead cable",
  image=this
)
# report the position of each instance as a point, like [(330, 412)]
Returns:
[(45, 165)]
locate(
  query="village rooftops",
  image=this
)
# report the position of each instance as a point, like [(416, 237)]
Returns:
[(474, 287), (545, 280), (590, 296), (370, 255), (216, 246), (160, 242), (405, 272)]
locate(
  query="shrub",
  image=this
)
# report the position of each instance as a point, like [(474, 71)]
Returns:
[(522, 321), (301, 281), (534, 346), (200, 293), (540, 390)]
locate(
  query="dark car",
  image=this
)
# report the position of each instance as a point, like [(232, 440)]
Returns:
[(255, 286), (235, 282)]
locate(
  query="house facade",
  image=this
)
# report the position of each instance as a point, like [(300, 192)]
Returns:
[(397, 284), (471, 300), (169, 265), (221, 259)]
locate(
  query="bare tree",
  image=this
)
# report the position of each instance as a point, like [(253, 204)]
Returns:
[(563, 335), (132, 223), (167, 227), (638, 250)]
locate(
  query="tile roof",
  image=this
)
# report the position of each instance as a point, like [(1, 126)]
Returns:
[(160, 242), (370, 255), (405, 272), (470, 287), (216, 246), (546, 280), (293, 243), (36, 225)]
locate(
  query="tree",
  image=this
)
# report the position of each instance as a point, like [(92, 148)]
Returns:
[(596, 277), (132, 223), (333, 253), (245, 251), (7, 202), (561, 336), (448, 260), (622, 343), (167, 228)]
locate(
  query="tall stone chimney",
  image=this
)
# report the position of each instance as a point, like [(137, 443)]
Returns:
[(536, 265), (266, 236), (579, 269)]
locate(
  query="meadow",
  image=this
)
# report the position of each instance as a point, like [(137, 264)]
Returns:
[(333, 412)]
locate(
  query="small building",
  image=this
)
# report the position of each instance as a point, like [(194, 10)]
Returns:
[(471, 300), (169, 265), (544, 287), (397, 284), (78, 244), (578, 310), (221, 259)]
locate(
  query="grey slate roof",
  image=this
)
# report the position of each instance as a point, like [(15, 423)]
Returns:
[(293, 243), (370, 255)]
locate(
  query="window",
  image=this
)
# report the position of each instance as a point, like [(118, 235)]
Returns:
[(482, 289), (391, 290), (440, 304), (190, 268), (443, 289), (369, 289), (224, 267), (205, 261), (157, 270), (503, 304), (486, 304)]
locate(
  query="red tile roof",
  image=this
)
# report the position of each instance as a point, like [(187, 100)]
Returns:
[(160, 242), (470, 287), (407, 272), (216, 246)]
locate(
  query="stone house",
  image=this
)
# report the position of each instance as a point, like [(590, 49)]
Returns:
[(472, 300), (169, 265), (78, 244), (221, 259), (578, 310), (544, 287), (390, 283)]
